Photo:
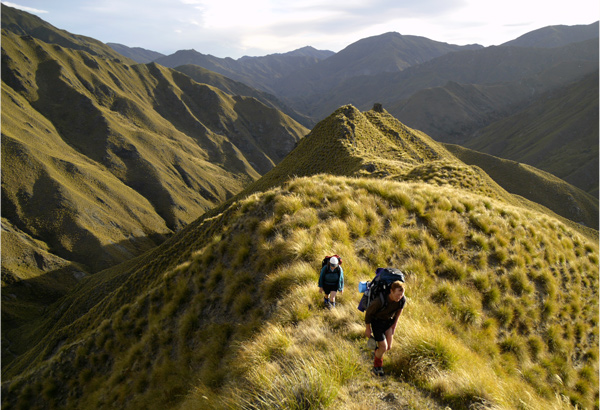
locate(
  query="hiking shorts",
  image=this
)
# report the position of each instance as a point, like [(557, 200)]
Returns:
[(329, 288), (379, 327)]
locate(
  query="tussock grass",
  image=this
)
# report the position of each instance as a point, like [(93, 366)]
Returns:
[(239, 322)]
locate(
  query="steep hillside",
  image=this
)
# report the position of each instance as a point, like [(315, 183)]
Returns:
[(137, 54), (502, 311), (26, 24), (101, 161), (558, 133), (143, 149), (204, 76), (534, 184), (555, 36)]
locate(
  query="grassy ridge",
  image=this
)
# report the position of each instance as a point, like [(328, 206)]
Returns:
[(502, 309)]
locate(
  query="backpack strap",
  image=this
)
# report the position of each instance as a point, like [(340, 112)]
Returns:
[(383, 301)]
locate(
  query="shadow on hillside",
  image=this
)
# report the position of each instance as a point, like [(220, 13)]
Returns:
[(32, 306)]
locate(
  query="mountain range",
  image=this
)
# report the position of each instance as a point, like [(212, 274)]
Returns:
[(450, 92), (157, 221)]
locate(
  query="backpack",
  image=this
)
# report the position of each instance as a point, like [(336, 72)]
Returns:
[(379, 287), (325, 260)]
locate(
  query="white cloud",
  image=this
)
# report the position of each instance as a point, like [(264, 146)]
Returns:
[(24, 8), (228, 28)]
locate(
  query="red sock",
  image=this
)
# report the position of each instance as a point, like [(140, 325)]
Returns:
[(378, 362)]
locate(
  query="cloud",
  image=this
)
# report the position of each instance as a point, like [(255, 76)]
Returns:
[(230, 28), (24, 8)]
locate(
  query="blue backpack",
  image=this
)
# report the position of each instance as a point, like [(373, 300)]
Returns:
[(379, 287)]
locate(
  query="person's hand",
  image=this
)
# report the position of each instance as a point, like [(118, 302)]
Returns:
[(367, 333), (321, 290), (341, 292)]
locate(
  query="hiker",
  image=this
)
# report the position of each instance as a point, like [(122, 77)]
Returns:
[(381, 319), (331, 281)]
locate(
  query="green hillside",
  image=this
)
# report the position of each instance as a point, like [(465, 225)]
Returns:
[(144, 149), (101, 161), (204, 76), (502, 312), (25, 24), (558, 133)]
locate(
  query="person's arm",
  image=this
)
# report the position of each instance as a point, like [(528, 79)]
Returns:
[(397, 315), (341, 281), (321, 279)]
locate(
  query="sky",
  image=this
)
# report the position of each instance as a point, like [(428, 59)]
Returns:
[(226, 28)]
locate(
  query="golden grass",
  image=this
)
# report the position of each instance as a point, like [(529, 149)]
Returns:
[(490, 323)]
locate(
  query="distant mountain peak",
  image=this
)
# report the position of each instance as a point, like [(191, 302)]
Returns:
[(555, 36)]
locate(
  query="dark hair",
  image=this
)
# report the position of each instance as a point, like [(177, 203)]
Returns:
[(397, 284)]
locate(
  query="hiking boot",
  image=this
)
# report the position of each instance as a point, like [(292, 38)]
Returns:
[(377, 371), (327, 304), (332, 305)]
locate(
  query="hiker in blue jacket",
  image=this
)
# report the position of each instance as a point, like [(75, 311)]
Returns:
[(331, 281)]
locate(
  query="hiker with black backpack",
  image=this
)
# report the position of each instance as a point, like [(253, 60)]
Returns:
[(381, 318), (331, 279)]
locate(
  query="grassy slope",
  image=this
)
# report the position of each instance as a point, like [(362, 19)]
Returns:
[(103, 160), (558, 133), (503, 299), (538, 186), (202, 75), (25, 24), (108, 151)]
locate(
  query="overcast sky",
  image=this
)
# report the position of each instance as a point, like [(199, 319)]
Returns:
[(227, 28)]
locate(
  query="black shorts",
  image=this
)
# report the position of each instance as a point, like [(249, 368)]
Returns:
[(379, 327), (329, 288)]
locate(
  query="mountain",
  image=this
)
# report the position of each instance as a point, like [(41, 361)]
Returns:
[(102, 161), (557, 133), (389, 52), (467, 113), (258, 72), (502, 311), (306, 51), (491, 65), (555, 36), (137, 54)]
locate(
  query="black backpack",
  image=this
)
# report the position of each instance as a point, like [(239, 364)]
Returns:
[(380, 286)]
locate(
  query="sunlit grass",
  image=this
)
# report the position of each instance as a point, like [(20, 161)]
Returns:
[(488, 324)]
